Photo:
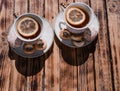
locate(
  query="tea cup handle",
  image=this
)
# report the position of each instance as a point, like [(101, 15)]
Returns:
[(62, 25)]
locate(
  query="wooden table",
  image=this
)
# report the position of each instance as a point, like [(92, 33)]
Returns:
[(100, 72)]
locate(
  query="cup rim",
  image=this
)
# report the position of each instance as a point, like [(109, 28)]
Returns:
[(19, 36), (90, 13)]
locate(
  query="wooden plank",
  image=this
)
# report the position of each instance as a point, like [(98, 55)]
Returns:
[(35, 74), (68, 69), (86, 69), (21, 6), (36, 65), (68, 72), (84, 1), (113, 9), (102, 53), (37, 7), (18, 66), (17, 75), (52, 63), (8, 69), (6, 18), (86, 80), (86, 74)]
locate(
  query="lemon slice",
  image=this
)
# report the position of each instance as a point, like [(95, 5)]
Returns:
[(27, 26), (75, 16)]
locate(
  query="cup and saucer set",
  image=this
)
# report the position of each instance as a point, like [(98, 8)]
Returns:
[(76, 25), (32, 36)]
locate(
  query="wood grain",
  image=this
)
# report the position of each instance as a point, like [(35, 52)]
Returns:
[(113, 9), (102, 53), (36, 66), (17, 79), (86, 69), (68, 69), (21, 7), (6, 10), (8, 71), (52, 63)]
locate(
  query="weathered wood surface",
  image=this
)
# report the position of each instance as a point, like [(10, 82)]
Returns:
[(94, 68), (113, 13)]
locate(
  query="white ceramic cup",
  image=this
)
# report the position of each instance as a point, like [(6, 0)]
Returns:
[(34, 16), (84, 7)]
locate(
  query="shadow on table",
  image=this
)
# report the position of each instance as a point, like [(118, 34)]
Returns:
[(29, 66), (76, 56)]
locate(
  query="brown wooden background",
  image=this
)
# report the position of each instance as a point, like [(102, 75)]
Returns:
[(101, 71)]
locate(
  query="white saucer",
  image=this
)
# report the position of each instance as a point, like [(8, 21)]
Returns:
[(47, 35), (60, 20)]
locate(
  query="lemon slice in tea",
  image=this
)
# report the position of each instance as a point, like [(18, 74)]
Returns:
[(27, 27), (75, 16)]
